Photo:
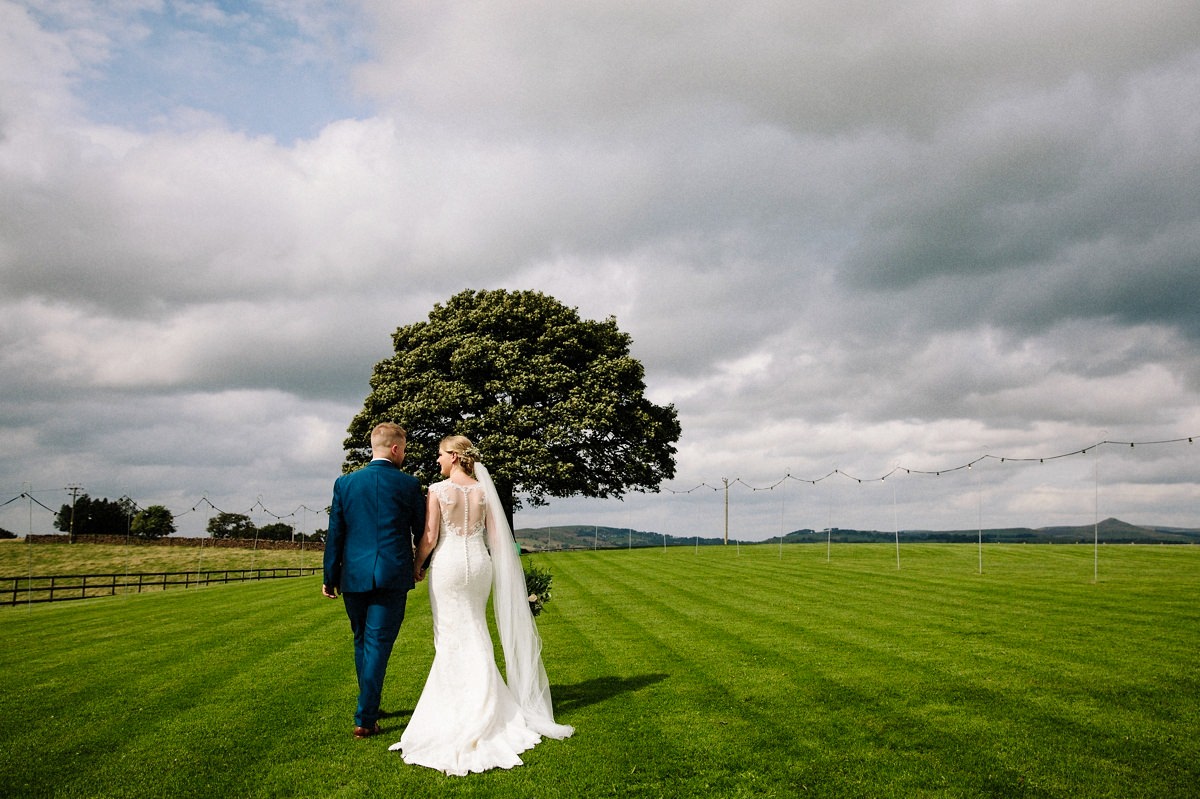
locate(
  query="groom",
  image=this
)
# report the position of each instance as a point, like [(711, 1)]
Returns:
[(377, 514)]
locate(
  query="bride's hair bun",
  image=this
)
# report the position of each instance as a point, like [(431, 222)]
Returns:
[(464, 449)]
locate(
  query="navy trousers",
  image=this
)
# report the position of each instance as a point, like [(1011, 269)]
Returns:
[(375, 618)]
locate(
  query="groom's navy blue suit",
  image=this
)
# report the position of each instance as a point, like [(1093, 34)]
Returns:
[(377, 514)]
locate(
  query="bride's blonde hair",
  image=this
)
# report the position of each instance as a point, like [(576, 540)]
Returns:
[(464, 449)]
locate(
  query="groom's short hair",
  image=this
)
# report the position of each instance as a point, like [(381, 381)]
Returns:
[(386, 434)]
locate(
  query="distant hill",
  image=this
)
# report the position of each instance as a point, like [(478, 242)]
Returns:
[(587, 536), (1110, 531)]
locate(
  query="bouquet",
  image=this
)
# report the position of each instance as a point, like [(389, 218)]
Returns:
[(537, 582)]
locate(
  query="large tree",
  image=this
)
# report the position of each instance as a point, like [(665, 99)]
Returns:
[(154, 522), (555, 403)]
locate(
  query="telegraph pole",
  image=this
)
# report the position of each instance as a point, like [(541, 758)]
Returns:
[(74, 489)]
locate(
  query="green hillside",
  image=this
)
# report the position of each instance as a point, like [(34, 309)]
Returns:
[(587, 536), (1111, 531)]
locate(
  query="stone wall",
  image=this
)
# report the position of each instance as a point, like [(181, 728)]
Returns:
[(179, 541)]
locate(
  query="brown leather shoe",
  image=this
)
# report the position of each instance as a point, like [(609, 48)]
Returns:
[(367, 732)]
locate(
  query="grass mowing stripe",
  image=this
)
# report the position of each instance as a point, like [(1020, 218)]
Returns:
[(1093, 674), (682, 703), (691, 706), (748, 667), (137, 686), (827, 695), (858, 614)]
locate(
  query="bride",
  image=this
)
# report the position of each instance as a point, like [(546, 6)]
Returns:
[(468, 718)]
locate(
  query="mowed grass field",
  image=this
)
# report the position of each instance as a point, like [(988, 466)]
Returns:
[(726, 672)]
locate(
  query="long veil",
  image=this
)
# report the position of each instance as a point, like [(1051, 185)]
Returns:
[(524, 672)]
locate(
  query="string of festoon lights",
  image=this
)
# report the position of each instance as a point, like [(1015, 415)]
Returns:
[(726, 483), (257, 506), (196, 506)]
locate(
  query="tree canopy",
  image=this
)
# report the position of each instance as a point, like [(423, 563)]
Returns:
[(555, 403), (155, 521), (96, 516), (276, 531), (231, 525)]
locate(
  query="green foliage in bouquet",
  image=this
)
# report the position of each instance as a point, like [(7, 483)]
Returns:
[(537, 581)]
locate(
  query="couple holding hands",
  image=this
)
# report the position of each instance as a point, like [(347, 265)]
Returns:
[(381, 535)]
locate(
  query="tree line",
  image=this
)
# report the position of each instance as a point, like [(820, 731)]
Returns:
[(239, 525), (122, 517)]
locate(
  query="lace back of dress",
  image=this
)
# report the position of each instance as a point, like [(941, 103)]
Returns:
[(463, 508), (464, 514)]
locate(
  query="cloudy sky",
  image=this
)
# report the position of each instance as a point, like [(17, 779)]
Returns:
[(865, 237)]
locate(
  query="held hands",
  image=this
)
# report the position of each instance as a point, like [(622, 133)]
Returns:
[(419, 564)]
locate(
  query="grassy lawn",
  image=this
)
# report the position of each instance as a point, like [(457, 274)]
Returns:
[(718, 672)]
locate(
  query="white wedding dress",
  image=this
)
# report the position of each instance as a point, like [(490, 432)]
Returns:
[(468, 718)]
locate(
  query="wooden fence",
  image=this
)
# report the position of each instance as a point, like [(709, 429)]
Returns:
[(62, 587)]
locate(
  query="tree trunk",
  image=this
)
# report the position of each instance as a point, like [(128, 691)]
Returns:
[(504, 490)]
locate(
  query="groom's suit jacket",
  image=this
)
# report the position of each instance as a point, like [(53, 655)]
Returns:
[(376, 516)]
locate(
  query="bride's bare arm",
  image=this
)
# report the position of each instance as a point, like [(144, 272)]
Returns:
[(429, 539)]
